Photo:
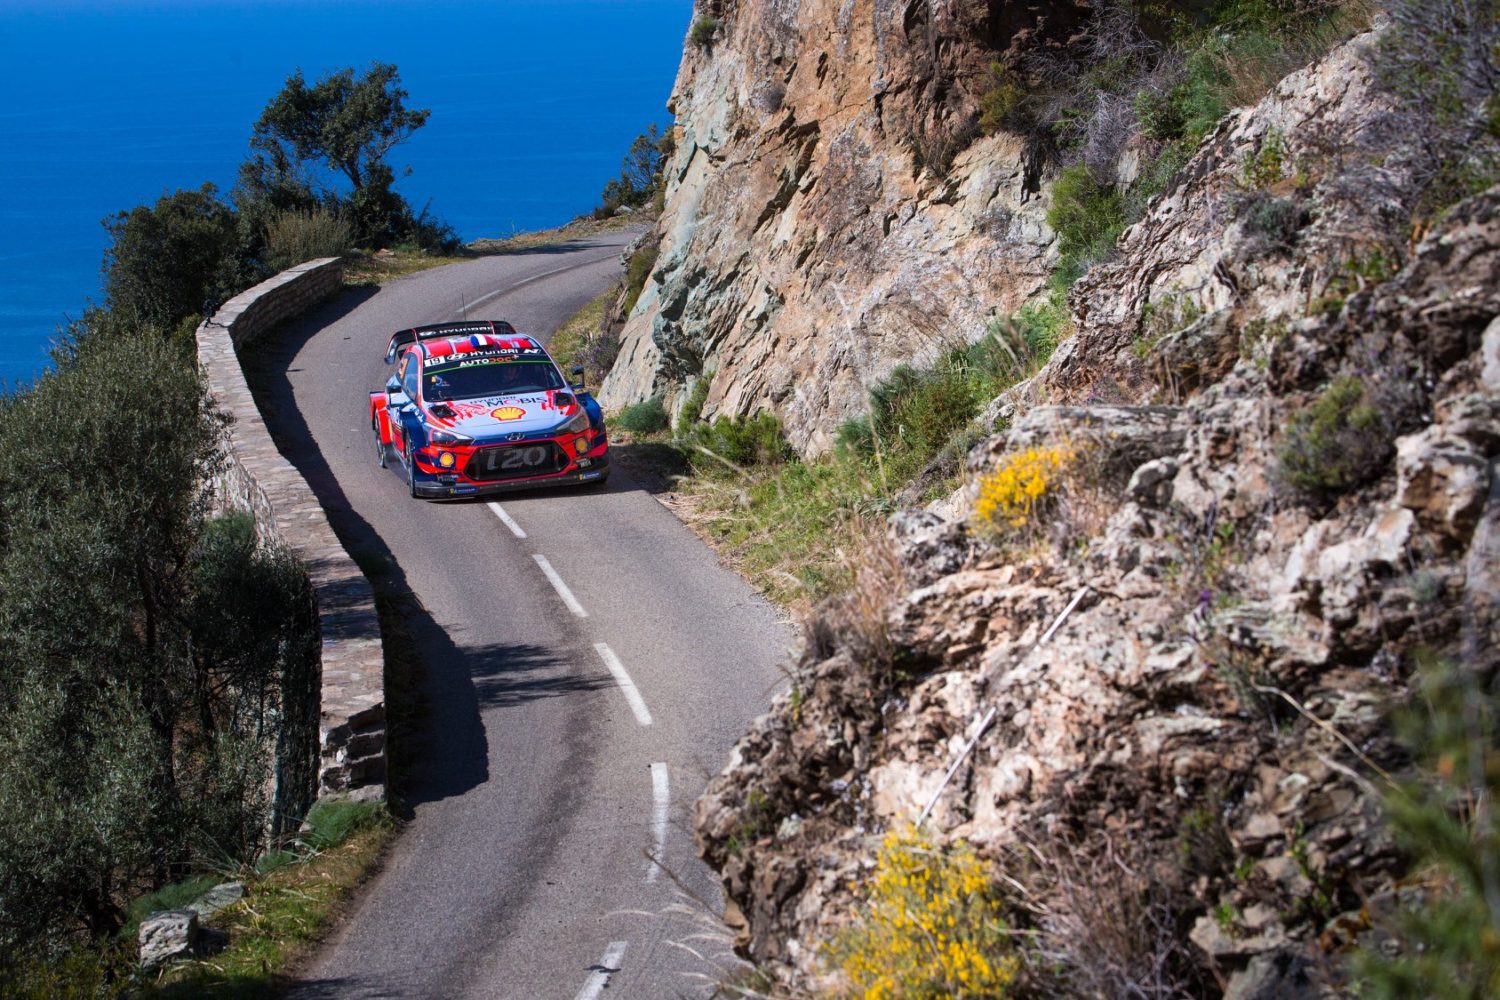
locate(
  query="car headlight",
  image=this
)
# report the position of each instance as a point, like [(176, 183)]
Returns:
[(577, 425), (448, 438)]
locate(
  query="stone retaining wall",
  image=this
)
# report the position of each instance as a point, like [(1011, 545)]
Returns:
[(258, 479)]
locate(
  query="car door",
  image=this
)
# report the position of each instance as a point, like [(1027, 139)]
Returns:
[(400, 431)]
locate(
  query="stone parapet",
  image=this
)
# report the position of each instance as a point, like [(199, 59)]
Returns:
[(258, 479)]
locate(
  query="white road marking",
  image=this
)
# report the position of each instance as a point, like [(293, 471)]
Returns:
[(608, 965), (627, 686), (661, 803), (463, 313), (507, 520), (560, 587)]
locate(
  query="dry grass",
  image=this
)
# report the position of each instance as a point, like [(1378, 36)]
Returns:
[(858, 617), (387, 265), (580, 228), (1108, 925)]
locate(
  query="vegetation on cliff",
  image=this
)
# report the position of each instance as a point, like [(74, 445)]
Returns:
[(1205, 551), (158, 663), (158, 683)]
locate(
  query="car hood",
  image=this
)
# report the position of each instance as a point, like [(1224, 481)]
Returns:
[(494, 416)]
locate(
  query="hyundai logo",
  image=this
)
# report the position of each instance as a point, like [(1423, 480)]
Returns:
[(514, 437)]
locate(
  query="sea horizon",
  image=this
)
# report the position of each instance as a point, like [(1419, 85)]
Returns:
[(116, 104)]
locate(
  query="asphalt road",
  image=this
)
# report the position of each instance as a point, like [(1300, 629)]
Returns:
[(586, 665)]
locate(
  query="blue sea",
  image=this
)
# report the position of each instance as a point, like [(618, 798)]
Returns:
[(108, 105)]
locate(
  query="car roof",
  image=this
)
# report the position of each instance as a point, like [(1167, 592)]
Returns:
[(479, 343)]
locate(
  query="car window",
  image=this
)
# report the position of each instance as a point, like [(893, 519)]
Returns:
[(409, 378), (474, 378)]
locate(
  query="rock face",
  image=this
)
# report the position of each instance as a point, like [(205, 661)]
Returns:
[(814, 234), (1213, 708)]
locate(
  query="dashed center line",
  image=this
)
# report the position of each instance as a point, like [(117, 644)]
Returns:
[(661, 804), (507, 520), (627, 686), (599, 975), (560, 587)]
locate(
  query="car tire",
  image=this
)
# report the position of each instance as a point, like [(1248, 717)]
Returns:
[(381, 448), (411, 473)]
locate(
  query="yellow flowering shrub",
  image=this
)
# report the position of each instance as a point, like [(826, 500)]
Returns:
[(930, 928), (1010, 495)]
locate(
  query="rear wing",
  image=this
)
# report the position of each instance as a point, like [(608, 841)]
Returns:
[(401, 338)]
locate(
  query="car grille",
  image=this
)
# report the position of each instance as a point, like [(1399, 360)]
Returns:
[(516, 461)]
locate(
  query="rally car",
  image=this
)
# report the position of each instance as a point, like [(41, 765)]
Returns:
[(475, 408)]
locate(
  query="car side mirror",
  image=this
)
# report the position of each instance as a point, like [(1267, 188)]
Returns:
[(577, 373)]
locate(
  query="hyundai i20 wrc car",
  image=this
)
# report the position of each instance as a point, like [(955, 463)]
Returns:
[(475, 408)]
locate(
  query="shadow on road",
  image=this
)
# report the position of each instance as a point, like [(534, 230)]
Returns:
[(437, 743), (510, 675)]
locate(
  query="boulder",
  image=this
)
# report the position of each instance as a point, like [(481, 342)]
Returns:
[(168, 936)]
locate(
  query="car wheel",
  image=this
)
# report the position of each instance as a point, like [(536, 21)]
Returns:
[(380, 446), (411, 473)]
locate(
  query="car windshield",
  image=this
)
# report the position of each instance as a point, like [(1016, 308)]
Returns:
[(464, 379)]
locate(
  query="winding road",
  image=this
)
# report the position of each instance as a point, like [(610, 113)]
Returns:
[(585, 666)]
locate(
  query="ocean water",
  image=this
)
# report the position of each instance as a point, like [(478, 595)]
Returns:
[(111, 104)]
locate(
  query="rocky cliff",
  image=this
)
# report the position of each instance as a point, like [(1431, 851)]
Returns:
[(826, 216), (1276, 431)]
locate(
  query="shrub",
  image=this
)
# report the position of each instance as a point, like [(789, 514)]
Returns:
[(1263, 167), (692, 407), (1338, 442), (147, 650), (1438, 61), (1448, 934), (1110, 923), (1003, 105), (916, 411), (588, 338), (741, 441), (294, 236), (931, 926), (648, 417), (1273, 222), (1088, 217), (637, 271), (1011, 497), (935, 145), (168, 260), (703, 31), (640, 181)]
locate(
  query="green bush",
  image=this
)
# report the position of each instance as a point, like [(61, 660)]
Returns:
[(1437, 60), (703, 31), (1449, 934), (331, 822), (648, 417), (740, 441), (167, 260), (637, 271), (293, 236), (147, 651), (640, 181), (1275, 221), (692, 407), (1335, 444), (1088, 217), (1003, 106)]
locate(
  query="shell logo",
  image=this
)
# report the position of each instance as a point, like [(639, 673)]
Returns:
[(508, 413)]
